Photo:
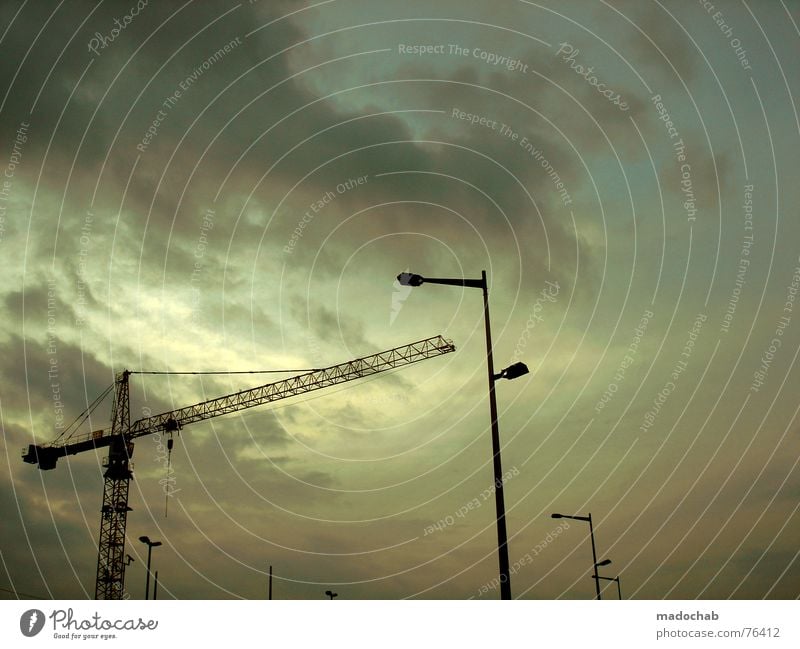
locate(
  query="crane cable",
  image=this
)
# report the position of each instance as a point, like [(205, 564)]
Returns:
[(314, 369), (84, 415)]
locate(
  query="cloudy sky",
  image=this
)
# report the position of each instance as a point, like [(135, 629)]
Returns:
[(234, 186)]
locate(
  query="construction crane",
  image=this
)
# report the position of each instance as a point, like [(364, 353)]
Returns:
[(110, 582)]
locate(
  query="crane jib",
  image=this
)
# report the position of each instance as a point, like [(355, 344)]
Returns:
[(47, 455)]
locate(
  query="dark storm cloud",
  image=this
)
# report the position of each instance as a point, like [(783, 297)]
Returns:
[(238, 466), (711, 177), (329, 326), (659, 39), (236, 137), (289, 95), (256, 431), (103, 121), (29, 373)]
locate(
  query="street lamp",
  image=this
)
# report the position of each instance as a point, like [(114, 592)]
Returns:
[(331, 594), (511, 372), (150, 545), (605, 562), (619, 589)]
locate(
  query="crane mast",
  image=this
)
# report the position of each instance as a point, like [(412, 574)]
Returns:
[(110, 580)]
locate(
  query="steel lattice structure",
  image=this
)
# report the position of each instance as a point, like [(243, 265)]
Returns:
[(110, 583)]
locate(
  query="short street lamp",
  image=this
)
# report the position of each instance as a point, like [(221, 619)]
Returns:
[(331, 594), (150, 545), (605, 562), (511, 372)]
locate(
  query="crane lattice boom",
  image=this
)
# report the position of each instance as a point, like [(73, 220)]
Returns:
[(315, 380), (47, 454)]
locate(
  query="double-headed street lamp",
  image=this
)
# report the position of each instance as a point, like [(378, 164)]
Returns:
[(150, 545), (511, 372), (596, 565), (619, 589)]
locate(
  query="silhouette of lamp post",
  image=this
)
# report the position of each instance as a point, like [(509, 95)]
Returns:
[(331, 594), (150, 545), (511, 372), (619, 589), (596, 565)]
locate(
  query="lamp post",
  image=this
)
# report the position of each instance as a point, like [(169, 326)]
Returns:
[(511, 372), (596, 565), (619, 589), (150, 545)]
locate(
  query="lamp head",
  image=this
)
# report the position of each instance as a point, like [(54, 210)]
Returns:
[(410, 279), (556, 516), (145, 539), (514, 371), (604, 562)]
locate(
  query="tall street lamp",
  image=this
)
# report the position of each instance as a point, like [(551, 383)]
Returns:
[(150, 545), (512, 372), (619, 589), (596, 565)]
